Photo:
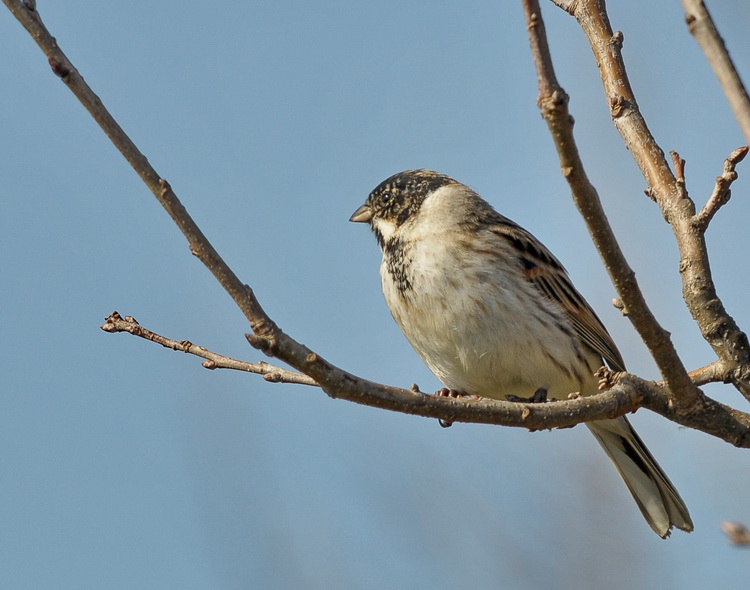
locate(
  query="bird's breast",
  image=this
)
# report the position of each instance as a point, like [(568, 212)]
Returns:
[(475, 321)]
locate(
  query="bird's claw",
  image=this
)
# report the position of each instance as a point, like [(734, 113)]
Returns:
[(453, 394), (607, 378), (539, 397)]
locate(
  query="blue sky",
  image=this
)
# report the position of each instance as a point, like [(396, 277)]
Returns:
[(126, 465)]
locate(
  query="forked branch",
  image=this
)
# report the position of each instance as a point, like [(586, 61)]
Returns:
[(718, 328), (721, 193), (553, 102), (116, 323), (628, 393)]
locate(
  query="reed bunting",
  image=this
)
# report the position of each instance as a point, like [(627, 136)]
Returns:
[(493, 313)]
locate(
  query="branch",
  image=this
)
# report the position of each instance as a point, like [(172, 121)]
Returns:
[(116, 323), (628, 394), (558, 414), (715, 372), (269, 338), (717, 327), (721, 193), (553, 103), (702, 27)]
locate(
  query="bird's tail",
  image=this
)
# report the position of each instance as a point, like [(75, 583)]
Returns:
[(655, 495)]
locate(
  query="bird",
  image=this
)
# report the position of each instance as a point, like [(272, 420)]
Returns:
[(493, 313)]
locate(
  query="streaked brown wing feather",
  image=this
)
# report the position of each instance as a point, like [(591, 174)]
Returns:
[(546, 273)]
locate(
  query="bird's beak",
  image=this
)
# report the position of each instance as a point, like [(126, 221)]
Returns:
[(362, 215)]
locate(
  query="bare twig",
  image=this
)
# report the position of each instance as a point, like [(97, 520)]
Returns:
[(116, 323), (737, 533), (679, 166), (625, 393), (553, 102), (702, 27), (198, 243), (615, 402), (717, 326), (267, 335), (715, 372), (721, 193)]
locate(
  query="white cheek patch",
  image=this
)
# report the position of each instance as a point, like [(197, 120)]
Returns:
[(385, 228)]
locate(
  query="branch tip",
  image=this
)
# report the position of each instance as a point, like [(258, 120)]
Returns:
[(679, 166), (736, 532), (738, 155), (722, 190)]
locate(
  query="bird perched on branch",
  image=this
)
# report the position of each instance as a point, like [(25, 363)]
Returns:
[(493, 313)]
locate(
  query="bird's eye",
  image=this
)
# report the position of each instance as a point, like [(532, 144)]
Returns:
[(385, 198)]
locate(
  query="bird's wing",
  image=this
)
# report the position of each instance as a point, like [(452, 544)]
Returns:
[(548, 275)]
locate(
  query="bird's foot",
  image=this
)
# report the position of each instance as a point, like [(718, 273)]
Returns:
[(607, 378), (445, 392), (539, 397), (452, 393)]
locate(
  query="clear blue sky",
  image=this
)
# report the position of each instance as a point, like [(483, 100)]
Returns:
[(126, 465)]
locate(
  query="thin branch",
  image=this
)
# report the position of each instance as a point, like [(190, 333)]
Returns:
[(721, 193), (699, 292), (269, 338), (559, 414), (702, 27), (116, 323), (199, 245), (679, 166), (715, 372), (553, 103), (628, 393)]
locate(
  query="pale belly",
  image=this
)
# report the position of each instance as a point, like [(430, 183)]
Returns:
[(490, 335)]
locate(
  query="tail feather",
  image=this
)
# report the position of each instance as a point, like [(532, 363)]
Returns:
[(655, 495)]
